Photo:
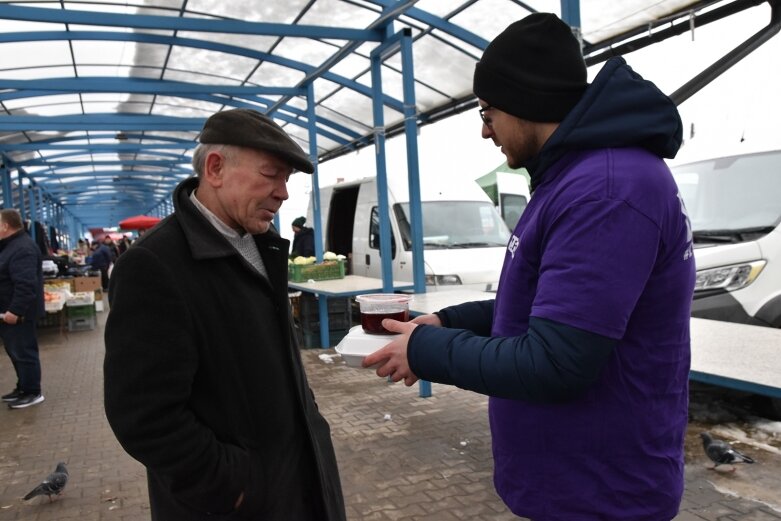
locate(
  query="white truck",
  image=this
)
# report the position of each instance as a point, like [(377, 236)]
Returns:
[(734, 204), (464, 238), (509, 191)]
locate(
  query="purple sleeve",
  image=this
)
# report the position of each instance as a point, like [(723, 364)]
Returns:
[(597, 261)]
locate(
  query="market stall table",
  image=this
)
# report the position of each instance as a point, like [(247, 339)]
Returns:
[(738, 356), (349, 286)]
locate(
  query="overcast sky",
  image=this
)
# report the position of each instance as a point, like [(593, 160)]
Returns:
[(739, 112)]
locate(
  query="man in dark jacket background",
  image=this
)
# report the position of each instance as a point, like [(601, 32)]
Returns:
[(21, 302), (303, 239), (585, 350), (204, 383), (102, 259)]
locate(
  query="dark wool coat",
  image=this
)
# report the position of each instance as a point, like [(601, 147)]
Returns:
[(304, 243), (21, 277), (204, 383)]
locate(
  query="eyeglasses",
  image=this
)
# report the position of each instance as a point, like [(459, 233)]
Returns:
[(486, 120)]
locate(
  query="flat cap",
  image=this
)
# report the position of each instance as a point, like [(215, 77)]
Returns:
[(251, 129)]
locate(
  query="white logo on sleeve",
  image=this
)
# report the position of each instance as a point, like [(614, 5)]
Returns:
[(689, 252), (513, 245)]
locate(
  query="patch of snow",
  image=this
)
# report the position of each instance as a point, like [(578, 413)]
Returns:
[(326, 358)]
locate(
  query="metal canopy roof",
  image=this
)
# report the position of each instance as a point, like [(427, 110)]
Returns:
[(101, 102)]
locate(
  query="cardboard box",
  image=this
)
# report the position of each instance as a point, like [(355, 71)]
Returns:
[(98, 295), (87, 283)]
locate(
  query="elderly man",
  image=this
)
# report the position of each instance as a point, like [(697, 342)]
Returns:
[(204, 384), (21, 302)]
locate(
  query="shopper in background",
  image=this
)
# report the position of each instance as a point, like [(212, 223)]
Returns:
[(83, 247), (21, 303), (303, 239), (112, 246), (102, 258), (123, 245), (204, 383), (585, 350)]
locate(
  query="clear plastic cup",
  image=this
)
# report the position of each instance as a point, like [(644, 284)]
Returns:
[(376, 307)]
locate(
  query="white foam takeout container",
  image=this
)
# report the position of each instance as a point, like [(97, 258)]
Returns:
[(357, 344)]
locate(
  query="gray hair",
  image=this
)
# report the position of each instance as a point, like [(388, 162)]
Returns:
[(204, 149)]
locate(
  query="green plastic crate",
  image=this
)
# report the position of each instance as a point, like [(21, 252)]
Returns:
[(80, 311), (328, 270), (82, 324)]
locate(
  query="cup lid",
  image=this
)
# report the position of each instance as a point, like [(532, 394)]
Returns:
[(379, 298)]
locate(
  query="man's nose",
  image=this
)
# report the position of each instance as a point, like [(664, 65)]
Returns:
[(486, 132), (281, 190)]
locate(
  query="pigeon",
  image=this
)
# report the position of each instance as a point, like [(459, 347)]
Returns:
[(721, 452), (54, 484)]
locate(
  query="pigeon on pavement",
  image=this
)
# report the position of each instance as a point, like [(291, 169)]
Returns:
[(53, 485), (721, 453)]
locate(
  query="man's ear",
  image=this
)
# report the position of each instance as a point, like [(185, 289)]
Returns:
[(213, 169)]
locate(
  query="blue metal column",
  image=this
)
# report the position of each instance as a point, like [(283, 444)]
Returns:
[(413, 166), (413, 178), (21, 207), (382, 176), (33, 213), (322, 300), (570, 13), (5, 178), (44, 213), (316, 211)]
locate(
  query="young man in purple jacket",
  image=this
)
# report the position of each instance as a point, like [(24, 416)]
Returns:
[(585, 351)]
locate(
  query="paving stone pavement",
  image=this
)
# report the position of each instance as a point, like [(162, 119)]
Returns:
[(402, 458)]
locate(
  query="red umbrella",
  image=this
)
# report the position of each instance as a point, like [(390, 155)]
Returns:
[(139, 222)]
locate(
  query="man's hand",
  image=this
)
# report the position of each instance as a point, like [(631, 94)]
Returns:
[(10, 318), (392, 358), (430, 320)]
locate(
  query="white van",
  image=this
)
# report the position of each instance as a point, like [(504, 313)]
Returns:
[(734, 204), (464, 238)]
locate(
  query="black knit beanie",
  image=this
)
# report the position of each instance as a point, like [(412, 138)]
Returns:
[(299, 222), (533, 70)]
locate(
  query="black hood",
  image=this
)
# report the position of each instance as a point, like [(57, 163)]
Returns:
[(619, 109)]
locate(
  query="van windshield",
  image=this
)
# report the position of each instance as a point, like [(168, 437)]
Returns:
[(455, 224), (732, 195)]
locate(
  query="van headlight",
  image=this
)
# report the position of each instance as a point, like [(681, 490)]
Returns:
[(729, 278), (442, 280)]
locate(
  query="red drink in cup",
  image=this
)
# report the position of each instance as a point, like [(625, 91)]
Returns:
[(372, 322), (377, 307)]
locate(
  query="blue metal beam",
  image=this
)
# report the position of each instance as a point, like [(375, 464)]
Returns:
[(438, 23), (97, 147), (142, 86), (232, 102), (208, 25), (89, 151), (387, 16), (85, 188), (64, 176), (110, 135), (196, 44), (104, 121), (169, 165)]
